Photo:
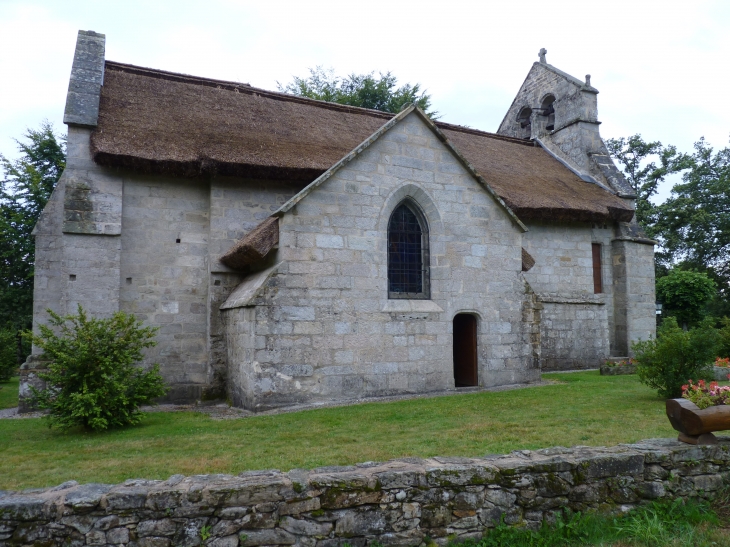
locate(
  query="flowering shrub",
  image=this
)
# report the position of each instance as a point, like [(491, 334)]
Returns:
[(624, 363), (720, 362), (705, 396)]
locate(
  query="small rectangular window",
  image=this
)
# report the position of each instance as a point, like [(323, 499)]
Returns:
[(597, 277)]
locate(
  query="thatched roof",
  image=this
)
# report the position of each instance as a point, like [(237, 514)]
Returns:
[(161, 122), (527, 261), (532, 183), (253, 246)]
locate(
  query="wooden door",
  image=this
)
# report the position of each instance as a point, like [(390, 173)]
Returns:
[(465, 350)]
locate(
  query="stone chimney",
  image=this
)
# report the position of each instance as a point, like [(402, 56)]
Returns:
[(87, 77)]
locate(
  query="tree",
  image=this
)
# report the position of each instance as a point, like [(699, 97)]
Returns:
[(25, 187), (633, 155), (363, 90), (685, 293), (694, 223)]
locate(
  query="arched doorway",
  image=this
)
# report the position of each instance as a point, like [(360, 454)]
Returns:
[(465, 350)]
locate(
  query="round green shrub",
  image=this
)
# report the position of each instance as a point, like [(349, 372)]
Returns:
[(91, 379), (676, 356)]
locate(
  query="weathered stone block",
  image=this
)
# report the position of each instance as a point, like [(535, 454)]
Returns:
[(267, 537), (615, 464), (161, 527), (15, 507), (84, 523), (227, 541), (125, 498), (305, 527), (117, 535), (361, 523), (153, 542), (297, 507)]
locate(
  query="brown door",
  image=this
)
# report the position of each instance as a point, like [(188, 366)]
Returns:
[(465, 350)]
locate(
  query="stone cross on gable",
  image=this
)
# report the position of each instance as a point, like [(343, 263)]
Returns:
[(542, 54)]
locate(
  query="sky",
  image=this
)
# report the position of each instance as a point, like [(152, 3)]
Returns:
[(661, 66)]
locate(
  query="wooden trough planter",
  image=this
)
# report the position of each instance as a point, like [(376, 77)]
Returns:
[(696, 425)]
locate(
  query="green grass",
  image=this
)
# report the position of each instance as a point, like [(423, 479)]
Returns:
[(9, 393), (584, 408), (677, 523)]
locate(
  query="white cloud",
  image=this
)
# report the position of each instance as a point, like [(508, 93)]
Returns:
[(660, 65)]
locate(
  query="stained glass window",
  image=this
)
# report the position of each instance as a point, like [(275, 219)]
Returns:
[(407, 255)]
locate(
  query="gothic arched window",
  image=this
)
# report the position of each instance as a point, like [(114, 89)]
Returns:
[(408, 275)]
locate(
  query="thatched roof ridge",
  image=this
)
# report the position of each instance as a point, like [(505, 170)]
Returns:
[(161, 122)]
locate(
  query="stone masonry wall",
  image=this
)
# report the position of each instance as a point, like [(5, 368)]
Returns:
[(397, 503), (78, 247), (164, 275), (72, 265), (634, 313), (325, 328), (237, 206), (163, 266), (576, 325), (573, 335)]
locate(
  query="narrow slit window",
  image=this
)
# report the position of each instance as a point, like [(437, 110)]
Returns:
[(597, 275), (407, 254)]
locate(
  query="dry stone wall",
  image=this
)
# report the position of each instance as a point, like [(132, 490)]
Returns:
[(400, 502)]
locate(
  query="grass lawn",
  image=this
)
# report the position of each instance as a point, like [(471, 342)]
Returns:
[(9, 393), (583, 408)]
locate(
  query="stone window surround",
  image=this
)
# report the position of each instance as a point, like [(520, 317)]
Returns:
[(425, 293), (426, 206)]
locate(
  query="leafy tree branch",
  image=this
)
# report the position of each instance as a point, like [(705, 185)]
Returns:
[(363, 90)]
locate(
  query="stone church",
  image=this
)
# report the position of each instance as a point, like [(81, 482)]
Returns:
[(296, 251)]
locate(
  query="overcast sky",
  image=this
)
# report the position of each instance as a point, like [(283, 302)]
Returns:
[(661, 66)]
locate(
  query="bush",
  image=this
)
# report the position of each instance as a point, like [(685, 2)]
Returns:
[(91, 379), (676, 356)]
